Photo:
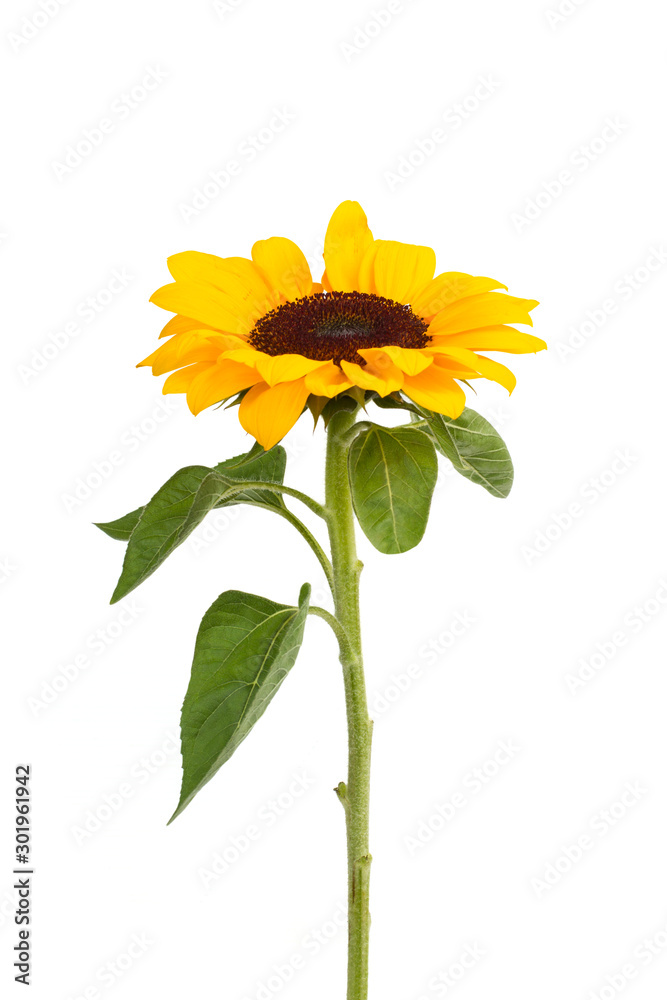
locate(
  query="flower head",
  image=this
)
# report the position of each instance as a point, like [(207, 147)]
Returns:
[(379, 320)]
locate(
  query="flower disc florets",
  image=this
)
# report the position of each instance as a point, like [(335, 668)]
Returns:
[(336, 325)]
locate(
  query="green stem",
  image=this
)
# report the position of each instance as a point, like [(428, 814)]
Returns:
[(354, 795), (285, 512), (334, 625), (309, 537), (269, 487)]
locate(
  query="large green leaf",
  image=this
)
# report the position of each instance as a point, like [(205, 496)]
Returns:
[(160, 528), (154, 531), (393, 471), (216, 490), (245, 647), (122, 527), (475, 449), (256, 465)]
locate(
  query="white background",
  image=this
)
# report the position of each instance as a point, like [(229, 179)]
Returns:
[(544, 581)]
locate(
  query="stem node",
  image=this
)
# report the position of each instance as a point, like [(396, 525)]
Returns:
[(341, 792)]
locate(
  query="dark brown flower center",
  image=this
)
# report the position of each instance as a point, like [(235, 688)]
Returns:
[(336, 325)]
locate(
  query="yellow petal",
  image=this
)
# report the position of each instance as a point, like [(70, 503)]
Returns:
[(379, 373), (185, 348), (191, 265), (492, 338), (436, 390), (286, 367), (269, 412), (284, 266), (246, 355), (246, 284), (235, 284), (367, 268), (346, 240), (181, 380), (162, 363), (275, 368), (486, 309), (455, 368), (328, 380), (238, 277), (485, 367), (401, 270), (448, 287), (205, 304), (221, 380), (181, 324), (409, 360), (496, 372)]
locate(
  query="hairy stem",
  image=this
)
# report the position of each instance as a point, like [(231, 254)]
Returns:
[(354, 795), (270, 487), (310, 538)]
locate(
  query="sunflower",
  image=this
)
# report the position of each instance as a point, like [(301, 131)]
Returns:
[(379, 320)]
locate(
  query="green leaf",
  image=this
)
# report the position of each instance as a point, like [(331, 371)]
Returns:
[(245, 647), (174, 512), (160, 528), (475, 449), (213, 491), (154, 531), (393, 471), (256, 466), (122, 528)]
